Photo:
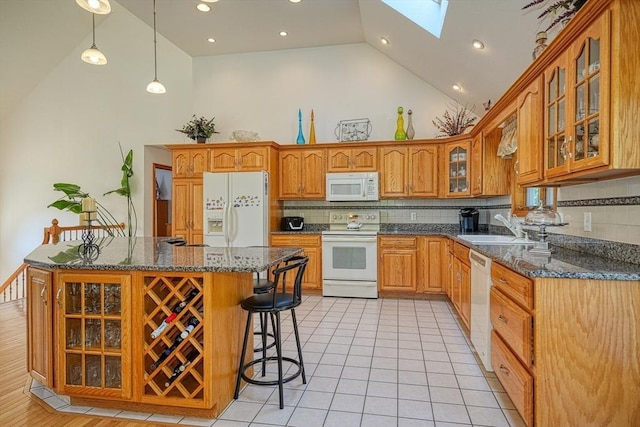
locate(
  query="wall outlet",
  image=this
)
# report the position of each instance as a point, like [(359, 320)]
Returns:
[(414, 216), (587, 221)]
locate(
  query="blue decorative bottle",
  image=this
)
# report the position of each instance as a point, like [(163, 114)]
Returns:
[(300, 139)]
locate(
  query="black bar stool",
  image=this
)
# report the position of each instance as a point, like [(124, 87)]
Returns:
[(264, 285), (273, 303)]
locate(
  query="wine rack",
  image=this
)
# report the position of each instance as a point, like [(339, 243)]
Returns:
[(94, 315), (173, 338)]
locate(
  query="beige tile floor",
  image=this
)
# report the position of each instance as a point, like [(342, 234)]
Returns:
[(384, 362)]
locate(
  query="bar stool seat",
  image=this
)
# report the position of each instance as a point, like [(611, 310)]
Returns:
[(273, 304)]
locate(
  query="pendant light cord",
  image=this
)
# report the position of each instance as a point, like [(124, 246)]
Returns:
[(155, 42), (93, 16)]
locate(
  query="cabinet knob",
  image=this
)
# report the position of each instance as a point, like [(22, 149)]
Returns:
[(504, 370), (502, 318), (44, 301)]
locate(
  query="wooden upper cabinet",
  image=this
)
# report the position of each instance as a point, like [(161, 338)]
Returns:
[(302, 174), (362, 159), (490, 175), (190, 163), (529, 130), (240, 159), (457, 158), (477, 167), (409, 171)]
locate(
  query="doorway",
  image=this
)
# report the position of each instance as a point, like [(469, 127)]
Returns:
[(163, 183)]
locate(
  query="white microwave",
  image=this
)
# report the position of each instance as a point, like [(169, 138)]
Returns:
[(352, 187)]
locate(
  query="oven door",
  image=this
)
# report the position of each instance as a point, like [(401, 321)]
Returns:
[(350, 258)]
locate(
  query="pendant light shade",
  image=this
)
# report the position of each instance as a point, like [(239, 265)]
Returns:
[(155, 86), (101, 7), (93, 55)]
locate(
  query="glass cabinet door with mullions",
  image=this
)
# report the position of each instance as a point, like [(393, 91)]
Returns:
[(458, 169), (94, 330)]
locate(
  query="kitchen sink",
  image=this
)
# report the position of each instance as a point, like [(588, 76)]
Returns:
[(494, 239)]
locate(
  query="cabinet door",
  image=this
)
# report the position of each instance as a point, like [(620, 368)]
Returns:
[(477, 165), (40, 326), (94, 334), (181, 208), (437, 260), (394, 172), (290, 171), (457, 168), (465, 293), (397, 263), (530, 128), (312, 278), (253, 159), (199, 162), (312, 176), (181, 164), (589, 77), (456, 284), (224, 160), (338, 160), (364, 159), (557, 145), (196, 204), (423, 171)]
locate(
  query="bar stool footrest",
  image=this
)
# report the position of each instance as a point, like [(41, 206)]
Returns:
[(271, 382)]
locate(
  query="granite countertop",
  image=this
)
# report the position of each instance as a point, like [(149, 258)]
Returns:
[(156, 254), (563, 263)]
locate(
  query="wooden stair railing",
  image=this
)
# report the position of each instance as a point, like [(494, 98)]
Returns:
[(15, 286)]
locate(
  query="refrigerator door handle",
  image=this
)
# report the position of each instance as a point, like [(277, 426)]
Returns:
[(225, 219)]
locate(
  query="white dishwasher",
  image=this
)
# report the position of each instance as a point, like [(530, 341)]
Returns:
[(480, 320)]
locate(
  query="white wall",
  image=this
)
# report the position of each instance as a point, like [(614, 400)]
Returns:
[(68, 128), (263, 91)]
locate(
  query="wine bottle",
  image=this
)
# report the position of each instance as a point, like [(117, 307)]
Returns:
[(191, 324), (181, 367), (167, 352), (177, 308), (156, 333)]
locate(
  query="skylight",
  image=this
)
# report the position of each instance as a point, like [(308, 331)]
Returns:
[(429, 14)]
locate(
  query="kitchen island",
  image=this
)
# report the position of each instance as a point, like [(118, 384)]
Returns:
[(145, 326)]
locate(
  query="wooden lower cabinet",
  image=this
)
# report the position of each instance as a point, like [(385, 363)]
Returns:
[(312, 245), (461, 282), (433, 261), (566, 350), (397, 263), (40, 326)]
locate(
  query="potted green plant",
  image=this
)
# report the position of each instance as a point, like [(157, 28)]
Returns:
[(199, 129), (561, 10)]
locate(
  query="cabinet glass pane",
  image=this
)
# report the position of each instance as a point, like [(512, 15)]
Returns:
[(561, 81), (594, 94), (112, 372), (581, 70), (594, 55), (73, 329), (93, 334), (561, 151), (92, 298), (580, 142), (93, 370), (112, 337), (553, 83), (580, 102), (552, 119), (112, 299), (72, 297), (561, 108), (594, 137), (74, 369)]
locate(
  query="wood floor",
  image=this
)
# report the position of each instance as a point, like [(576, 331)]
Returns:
[(17, 406)]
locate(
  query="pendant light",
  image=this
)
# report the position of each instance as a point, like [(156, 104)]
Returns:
[(155, 86), (93, 55), (101, 7)]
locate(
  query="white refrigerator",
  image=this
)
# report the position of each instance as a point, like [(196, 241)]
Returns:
[(236, 209)]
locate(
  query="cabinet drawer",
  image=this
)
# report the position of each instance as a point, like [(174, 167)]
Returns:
[(461, 252), (308, 240), (515, 379), (518, 287), (398, 242), (513, 324)]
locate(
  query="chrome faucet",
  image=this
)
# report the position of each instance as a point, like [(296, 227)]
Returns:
[(515, 229)]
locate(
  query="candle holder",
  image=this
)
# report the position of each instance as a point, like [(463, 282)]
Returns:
[(88, 250)]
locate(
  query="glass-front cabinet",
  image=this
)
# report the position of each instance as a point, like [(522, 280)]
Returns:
[(94, 331), (576, 88), (458, 158)]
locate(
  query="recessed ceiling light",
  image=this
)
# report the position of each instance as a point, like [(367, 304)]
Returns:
[(211, 40), (283, 33), (383, 40), (295, 1), (202, 7), (209, 1), (478, 44), (457, 87)]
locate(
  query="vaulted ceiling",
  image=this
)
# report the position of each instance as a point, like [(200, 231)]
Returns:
[(36, 34)]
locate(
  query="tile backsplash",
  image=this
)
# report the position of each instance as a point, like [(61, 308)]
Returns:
[(614, 206)]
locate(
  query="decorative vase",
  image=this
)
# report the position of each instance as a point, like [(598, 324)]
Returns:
[(201, 139), (541, 39), (300, 139), (312, 130), (410, 131), (400, 133)]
